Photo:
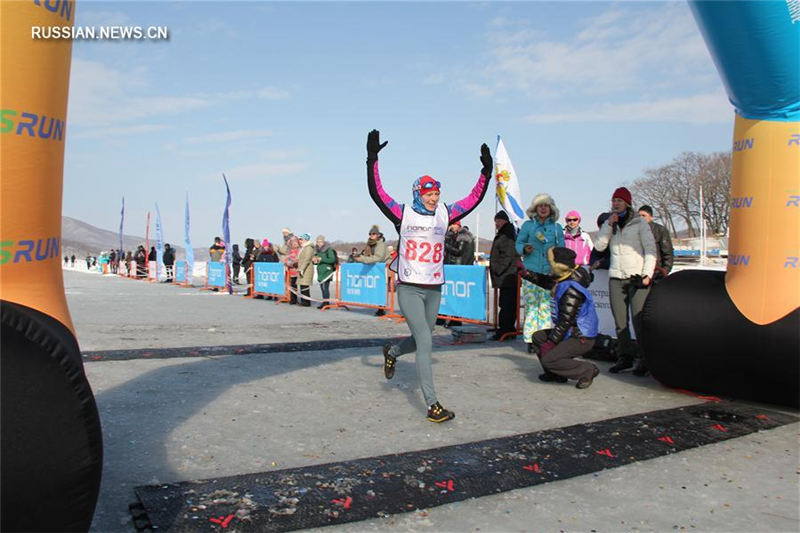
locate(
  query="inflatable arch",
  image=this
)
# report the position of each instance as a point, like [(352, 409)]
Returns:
[(50, 443), (736, 333)]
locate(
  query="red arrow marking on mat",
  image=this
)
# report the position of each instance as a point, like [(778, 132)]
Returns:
[(666, 439), (533, 468), (606, 452), (445, 485), (762, 417), (719, 427), (223, 521), (710, 398), (344, 502)]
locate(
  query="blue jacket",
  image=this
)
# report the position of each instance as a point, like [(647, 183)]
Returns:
[(586, 320), (542, 236)]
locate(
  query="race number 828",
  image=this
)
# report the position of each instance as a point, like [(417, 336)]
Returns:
[(423, 251)]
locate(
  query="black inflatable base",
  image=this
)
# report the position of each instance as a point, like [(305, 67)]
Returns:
[(695, 338), (355, 490)]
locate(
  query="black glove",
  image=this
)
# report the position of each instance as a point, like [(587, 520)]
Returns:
[(637, 281), (486, 159), (374, 144)]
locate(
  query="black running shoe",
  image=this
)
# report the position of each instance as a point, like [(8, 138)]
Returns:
[(552, 378), (437, 413), (388, 362)]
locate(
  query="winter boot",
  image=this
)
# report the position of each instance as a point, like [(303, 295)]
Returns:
[(623, 363), (639, 367)]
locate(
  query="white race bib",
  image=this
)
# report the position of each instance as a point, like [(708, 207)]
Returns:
[(420, 257)]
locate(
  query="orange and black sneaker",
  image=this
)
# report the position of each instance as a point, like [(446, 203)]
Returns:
[(437, 413), (388, 361)]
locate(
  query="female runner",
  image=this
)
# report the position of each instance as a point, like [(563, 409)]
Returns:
[(420, 261)]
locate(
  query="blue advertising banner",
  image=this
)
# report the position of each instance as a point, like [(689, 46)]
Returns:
[(269, 278), (216, 273), (465, 292), (363, 284), (180, 271)]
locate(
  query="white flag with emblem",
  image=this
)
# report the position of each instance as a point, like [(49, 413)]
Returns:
[(507, 191)]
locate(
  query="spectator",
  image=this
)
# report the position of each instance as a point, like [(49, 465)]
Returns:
[(112, 261), (600, 260), (247, 262), (633, 260), (283, 249), (72, 260), (216, 250), (353, 255), (374, 252), (66, 260), (574, 321), (459, 246), (577, 240), (141, 262), (169, 263), (537, 235), (664, 251), (503, 271), (267, 253), (305, 269), (128, 259), (236, 262), (375, 249), (88, 262), (290, 260), (152, 256), (326, 260)]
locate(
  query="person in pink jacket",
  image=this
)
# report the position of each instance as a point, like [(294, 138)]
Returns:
[(576, 240)]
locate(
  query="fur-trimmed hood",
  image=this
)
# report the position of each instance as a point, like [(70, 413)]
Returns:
[(543, 199)]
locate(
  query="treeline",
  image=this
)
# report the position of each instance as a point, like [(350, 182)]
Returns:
[(673, 190)]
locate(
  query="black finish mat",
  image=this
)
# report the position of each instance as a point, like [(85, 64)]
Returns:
[(237, 349), (372, 487)]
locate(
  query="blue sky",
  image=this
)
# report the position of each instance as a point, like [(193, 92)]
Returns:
[(280, 97)]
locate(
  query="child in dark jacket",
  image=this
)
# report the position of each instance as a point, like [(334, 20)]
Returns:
[(574, 318)]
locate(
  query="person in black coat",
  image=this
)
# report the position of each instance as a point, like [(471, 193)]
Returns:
[(152, 256), (503, 260), (666, 253), (600, 260), (236, 262), (459, 246), (169, 262)]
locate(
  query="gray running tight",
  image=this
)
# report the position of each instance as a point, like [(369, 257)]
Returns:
[(419, 306)]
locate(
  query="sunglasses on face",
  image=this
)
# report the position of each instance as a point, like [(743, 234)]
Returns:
[(572, 220)]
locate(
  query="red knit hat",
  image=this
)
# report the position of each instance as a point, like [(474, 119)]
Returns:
[(623, 194)]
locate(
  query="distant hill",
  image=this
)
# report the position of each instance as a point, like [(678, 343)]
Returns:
[(82, 239)]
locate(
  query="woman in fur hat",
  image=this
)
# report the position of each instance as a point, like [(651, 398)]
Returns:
[(574, 320), (537, 235), (422, 225)]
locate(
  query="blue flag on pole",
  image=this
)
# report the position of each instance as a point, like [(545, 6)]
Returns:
[(121, 222), (226, 234), (159, 244), (189, 250)]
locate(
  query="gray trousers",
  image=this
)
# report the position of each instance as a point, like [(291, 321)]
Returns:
[(560, 360), (624, 297), (419, 306)]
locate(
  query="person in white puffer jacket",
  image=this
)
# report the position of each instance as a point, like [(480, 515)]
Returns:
[(630, 274)]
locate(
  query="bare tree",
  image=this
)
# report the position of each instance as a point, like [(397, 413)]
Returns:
[(673, 190)]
